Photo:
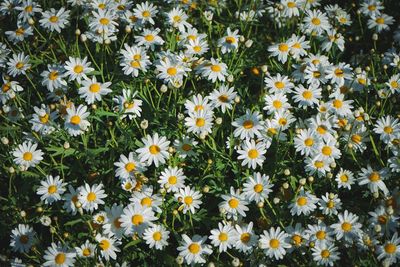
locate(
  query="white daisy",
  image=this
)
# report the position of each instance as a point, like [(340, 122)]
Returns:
[(156, 236), (273, 242), (75, 120), (155, 150), (91, 196), (22, 238), (51, 189), (252, 153), (92, 90), (194, 249), (190, 199), (58, 255), (257, 187), (27, 155), (76, 69)]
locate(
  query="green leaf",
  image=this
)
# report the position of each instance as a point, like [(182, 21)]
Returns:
[(71, 223), (132, 243)]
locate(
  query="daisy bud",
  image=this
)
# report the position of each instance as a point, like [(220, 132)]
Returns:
[(22, 168), (203, 135), (297, 130), (171, 150), (350, 145), (375, 38), (218, 120), (31, 21), (11, 169), (39, 209), (237, 99), (357, 38), (179, 260), (66, 235), (77, 32), (22, 213), (163, 88), (107, 41), (66, 145), (5, 140), (144, 124), (248, 43), (378, 103), (385, 67), (175, 212), (94, 106), (331, 196), (377, 228), (264, 68), (83, 38), (329, 175), (285, 185), (11, 94), (375, 194), (235, 262), (276, 200), (128, 29), (303, 181), (286, 172), (78, 204), (329, 87), (222, 211), (357, 113), (230, 78), (241, 38), (333, 165), (206, 189), (311, 179), (367, 68), (209, 161), (366, 117), (52, 106), (389, 210), (260, 204), (208, 15), (53, 230), (45, 220), (162, 191), (211, 264), (181, 116), (280, 7)]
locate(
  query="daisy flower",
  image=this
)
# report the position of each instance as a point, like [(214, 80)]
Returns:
[(156, 236), (59, 255), (297, 236), (169, 70), (273, 242), (75, 120), (304, 203), (172, 178), (55, 20), (213, 70), (328, 150), (9, 89), (194, 249), (27, 9), (71, 200), (147, 199), (134, 58), (278, 83), (315, 75), (145, 12), (136, 218), (128, 104), (258, 187), (43, 120), (86, 250), (319, 233), (348, 226), (27, 155), (280, 50), (113, 227), (315, 22), (53, 77), (155, 150), (332, 39), (339, 73), (371, 7), (103, 21), (291, 8), (325, 254), (76, 69), (252, 153), (92, 90), (18, 64), (306, 141), (108, 246), (248, 125), (197, 46), (244, 238), (149, 38), (222, 237), (189, 198), (91, 196), (185, 146), (199, 122), (178, 19), (197, 104), (234, 204), (298, 46), (22, 238), (223, 97), (390, 250), (388, 128), (374, 179), (127, 166), (380, 22), (330, 204), (51, 189), (23, 31), (230, 42), (276, 102)]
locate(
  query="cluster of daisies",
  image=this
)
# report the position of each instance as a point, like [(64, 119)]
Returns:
[(192, 160)]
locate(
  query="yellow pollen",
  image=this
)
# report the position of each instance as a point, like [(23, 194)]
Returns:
[(194, 248), (186, 147), (94, 88), (316, 74), (279, 85), (53, 19), (149, 37), (394, 84), (75, 120), (223, 98), (86, 252), (52, 189), (380, 20), (117, 223), (78, 69), (146, 201), (301, 201), (135, 64), (154, 149), (388, 129), (320, 235), (339, 72), (245, 237), (146, 14), (321, 129), (344, 178), (274, 243), (318, 164), (157, 236), (330, 204), (91, 197), (44, 119), (27, 156), (253, 153), (277, 104), (346, 227), (258, 188), (307, 94), (172, 71), (172, 180), (197, 48), (188, 200), (296, 45), (104, 21), (60, 258), (326, 151), (297, 240), (28, 9), (325, 253), (374, 177), (6, 87), (130, 166), (216, 68), (223, 237), (230, 40), (19, 65), (248, 124), (316, 21), (233, 203), (291, 4), (309, 142), (283, 47), (53, 75), (356, 138), (390, 248), (200, 122), (137, 219), (177, 19), (104, 244), (20, 31)]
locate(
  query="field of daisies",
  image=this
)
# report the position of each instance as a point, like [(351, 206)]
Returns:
[(199, 132)]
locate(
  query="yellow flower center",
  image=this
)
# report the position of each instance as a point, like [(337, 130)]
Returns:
[(104, 244), (146, 201), (274, 243), (321, 129), (344, 178), (337, 103), (28, 9), (130, 166), (24, 239), (296, 45), (248, 124), (200, 122), (325, 253), (327, 151), (78, 69), (104, 21), (388, 129), (27, 156), (283, 47), (374, 177), (253, 153), (186, 147), (277, 104), (316, 21), (146, 14), (291, 4), (371, 7), (75, 120), (320, 235), (316, 74), (223, 98), (318, 164), (157, 236), (198, 107), (356, 138), (230, 40), (309, 142), (135, 64), (137, 219), (60, 258), (20, 31), (297, 240), (390, 248), (245, 237), (223, 237), (102, 6), (94, 88), (394, 84), (307, 94), (346, 226), (197, 48), (52, 189), (117, 223), (6, 87), (53, 19), (19, 65), (362, 81), (380, 20), (53, 75), (258, 188), (339, 72), (86, 252), (233, 203), (301, 201), (91, 197), (172, 180), (154, 149), (188, 200), (149, 37), (279, 85), (177, 19), (216, 68), (172, 71), (194, 248), (330, 204)]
